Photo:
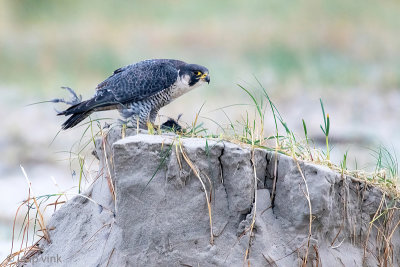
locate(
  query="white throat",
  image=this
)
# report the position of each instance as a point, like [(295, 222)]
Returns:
[(182, 85)]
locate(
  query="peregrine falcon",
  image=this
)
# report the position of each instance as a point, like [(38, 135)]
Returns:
[(139, 90)]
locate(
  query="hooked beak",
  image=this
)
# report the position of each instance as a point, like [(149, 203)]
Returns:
[(207, 78)]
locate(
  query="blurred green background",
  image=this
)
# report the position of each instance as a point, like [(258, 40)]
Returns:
[(339, 44), (345, 52)]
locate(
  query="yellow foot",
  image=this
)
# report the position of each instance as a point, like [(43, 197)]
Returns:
[(123, 131), (150, 127)]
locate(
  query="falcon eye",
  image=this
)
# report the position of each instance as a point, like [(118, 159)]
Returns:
[(197, 73)]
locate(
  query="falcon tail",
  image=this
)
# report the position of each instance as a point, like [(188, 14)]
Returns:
[(103, 101), (74, 120), (79, 112)]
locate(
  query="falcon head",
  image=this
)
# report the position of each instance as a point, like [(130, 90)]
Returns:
[(194, 75)]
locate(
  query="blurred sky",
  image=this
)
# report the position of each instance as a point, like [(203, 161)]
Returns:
[(345, 52)]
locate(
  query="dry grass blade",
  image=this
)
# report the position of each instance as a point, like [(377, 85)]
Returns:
[(370, 227), (197, 173), (385, 235), (307, 195), (269, 260), (178, 158), (195, 120), (27, 253), (275, 173), (394, 229), (109, 257), (253, 220), (90, 199), (41, 219), (32, 203), (15, 219), (109, 179)]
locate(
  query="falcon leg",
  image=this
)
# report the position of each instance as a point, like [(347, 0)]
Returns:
[(124, 125), (129, 116), (153, 115), (131, 122)]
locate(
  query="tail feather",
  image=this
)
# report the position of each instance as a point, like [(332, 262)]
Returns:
[(103, 100), (74, 120), (81, 107)]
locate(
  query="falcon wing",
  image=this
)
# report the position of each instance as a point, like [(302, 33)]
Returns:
[(140, 81), (128, 84)]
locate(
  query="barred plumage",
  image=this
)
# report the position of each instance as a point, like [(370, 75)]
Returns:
[(139, 90)]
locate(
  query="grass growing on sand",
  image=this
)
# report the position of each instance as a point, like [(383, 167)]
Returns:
[(249, 131)]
